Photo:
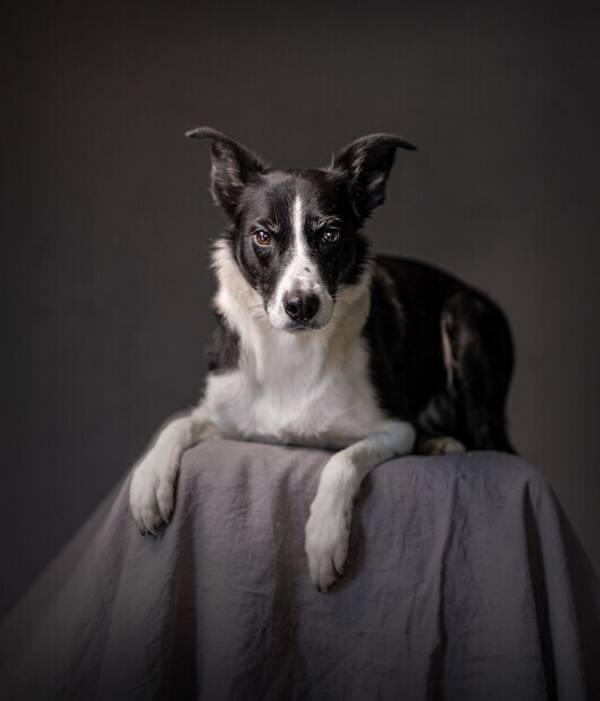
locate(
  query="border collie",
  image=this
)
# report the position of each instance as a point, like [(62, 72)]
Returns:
[(320, 343)]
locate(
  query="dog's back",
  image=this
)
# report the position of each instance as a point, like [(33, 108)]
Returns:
[(441, 353)]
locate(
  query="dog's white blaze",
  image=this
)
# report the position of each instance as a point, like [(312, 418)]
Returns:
[(297, 220), (301, 274)]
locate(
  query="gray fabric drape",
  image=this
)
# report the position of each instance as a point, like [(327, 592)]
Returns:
[(464, 581)]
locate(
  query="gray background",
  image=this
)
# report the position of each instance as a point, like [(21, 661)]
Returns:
[(106, 220)]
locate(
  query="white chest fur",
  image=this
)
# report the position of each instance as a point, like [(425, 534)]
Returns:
[(310, 388)]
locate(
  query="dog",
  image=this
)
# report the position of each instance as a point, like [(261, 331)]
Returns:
[(319, 342)]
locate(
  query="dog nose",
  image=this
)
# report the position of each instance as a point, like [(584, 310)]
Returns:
[(301, 306)]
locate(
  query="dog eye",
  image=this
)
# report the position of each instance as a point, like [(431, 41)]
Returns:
[(330, 236), (262, 237)]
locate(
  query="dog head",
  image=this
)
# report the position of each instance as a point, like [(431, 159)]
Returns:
[(295, 234)]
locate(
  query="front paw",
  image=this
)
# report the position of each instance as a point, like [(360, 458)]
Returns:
[(326, 545), (152, 495)]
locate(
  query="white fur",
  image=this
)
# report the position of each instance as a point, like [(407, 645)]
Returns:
[(301, 274), (328, 526), (151, 493), (309, 388)]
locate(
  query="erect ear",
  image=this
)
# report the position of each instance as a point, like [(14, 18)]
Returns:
[(367, 163), (233, 166)]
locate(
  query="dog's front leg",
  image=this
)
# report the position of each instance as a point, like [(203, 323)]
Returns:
[(152, 489), (328, 527)]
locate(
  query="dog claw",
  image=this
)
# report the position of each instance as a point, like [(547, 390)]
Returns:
[(339, 573)]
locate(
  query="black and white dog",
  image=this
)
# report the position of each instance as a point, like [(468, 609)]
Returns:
[(320, 343)]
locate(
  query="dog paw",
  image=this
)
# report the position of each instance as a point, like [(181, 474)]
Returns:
[(151, 497), (442, 446), (326, 544)]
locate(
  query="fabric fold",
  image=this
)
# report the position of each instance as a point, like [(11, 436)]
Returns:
[(464, 581)]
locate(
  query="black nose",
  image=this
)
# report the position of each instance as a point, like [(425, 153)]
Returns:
[(301, 306)]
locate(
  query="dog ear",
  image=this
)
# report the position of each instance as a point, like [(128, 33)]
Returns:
[(367, 163), (233, 166)]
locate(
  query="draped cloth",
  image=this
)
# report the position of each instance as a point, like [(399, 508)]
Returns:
[(464, 581)]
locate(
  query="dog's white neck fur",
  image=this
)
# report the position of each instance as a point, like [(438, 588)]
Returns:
[(310, 387)]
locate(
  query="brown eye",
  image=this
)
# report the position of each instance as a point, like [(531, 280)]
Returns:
[(330, 236), (262, 237)]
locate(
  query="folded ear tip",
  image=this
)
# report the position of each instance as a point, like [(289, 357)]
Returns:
[(195, 133), (202, 133)]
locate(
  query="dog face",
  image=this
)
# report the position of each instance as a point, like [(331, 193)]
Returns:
[(296, 234)]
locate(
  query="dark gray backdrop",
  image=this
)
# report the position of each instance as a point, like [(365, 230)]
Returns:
[(106, 220)]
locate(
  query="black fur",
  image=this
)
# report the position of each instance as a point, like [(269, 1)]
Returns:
[(367, 163), (223, 350), (233, 168), (411, 303)]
